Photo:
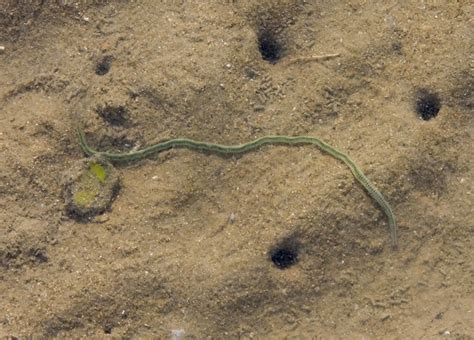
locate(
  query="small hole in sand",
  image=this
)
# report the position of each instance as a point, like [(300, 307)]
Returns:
[(270, 48), (107, 329), (284, 256), (103, 66), (427, 104)]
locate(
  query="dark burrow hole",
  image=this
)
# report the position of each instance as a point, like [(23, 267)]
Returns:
[(269, 45), (107, 328), (103, 66), (285, 254), (114, 115), (427, 104), (397, 47)]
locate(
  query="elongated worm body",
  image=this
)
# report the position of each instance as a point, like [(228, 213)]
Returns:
[(246, 147)]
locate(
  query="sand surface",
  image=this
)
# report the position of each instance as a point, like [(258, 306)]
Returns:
[(185, 250)]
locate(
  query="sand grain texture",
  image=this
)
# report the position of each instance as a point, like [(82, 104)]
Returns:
[(187, 243)]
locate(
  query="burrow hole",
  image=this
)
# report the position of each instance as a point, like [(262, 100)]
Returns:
[(427, 104), (270, 45), (285, 254), (103, 66), (114, 115), (107, 328)]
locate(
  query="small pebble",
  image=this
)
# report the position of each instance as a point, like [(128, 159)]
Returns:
[(100, 219), (231, 218), (177, 334), (2, 49)]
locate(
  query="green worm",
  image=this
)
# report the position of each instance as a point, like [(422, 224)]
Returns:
[(246, 147)]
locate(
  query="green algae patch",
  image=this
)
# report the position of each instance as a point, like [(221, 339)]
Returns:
[(90, 187), (84, 198), (98, 171)]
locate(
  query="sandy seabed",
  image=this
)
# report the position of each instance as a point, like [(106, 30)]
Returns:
[(190, 246)]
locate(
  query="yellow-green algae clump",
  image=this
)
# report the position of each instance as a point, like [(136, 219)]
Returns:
[(90, 188), (99, 171)]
